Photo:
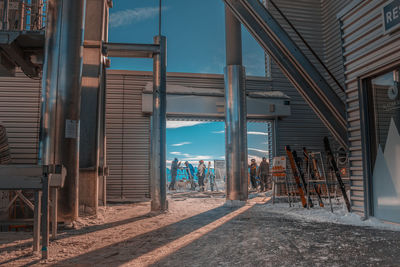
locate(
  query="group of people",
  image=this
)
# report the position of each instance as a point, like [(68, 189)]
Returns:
[(262, 172), (201, 175)]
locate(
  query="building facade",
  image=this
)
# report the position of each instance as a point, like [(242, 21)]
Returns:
[(359, 41)]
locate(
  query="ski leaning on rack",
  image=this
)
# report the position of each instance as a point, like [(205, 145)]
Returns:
[(313, 173), (296, 176), (332, 163), (298, 162)]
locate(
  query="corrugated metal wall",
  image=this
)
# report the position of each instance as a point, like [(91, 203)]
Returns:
[(333, 56), (19, 112), (128, 130), (303, 128), (366, 49), (128, 137)]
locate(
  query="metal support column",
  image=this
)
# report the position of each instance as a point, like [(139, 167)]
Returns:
[(92, 105), (54, 209), (158, 130), (45, 217), (61, 83), (235, 114), (37, 220)]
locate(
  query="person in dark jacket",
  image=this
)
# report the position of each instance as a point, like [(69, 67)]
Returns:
[(201, 173), (174, 171), (253, 173), (190, 171), (263, 173)]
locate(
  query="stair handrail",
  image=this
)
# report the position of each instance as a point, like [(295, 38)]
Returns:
[(307, 45)]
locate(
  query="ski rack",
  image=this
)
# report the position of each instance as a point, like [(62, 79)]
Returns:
[(312, 155)]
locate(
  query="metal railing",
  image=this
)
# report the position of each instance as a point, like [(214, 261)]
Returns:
[(308, 46), (22, 15)]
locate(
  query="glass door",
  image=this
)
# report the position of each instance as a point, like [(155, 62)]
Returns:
[(386, 143)]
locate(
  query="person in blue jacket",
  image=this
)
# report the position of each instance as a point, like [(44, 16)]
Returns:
[(190, 171)]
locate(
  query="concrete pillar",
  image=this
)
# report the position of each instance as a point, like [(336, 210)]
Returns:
[(235, 115), (158, 130), (92, 105), (61, 97)]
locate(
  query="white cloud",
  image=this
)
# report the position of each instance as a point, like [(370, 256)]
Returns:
[(182, 144), (258, 150), (175, 153), (180, 124), (218, 132), (257, 133), (129, 16)]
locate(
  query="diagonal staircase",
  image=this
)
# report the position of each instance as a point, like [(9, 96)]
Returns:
[(302, 73)]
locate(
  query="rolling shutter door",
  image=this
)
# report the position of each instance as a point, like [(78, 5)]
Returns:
[(128, 138)]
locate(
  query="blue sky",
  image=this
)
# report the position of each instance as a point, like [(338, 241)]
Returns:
[(194, 30), (195, 34), (195, 140)]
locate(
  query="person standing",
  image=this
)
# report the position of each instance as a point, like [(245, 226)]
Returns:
[(190, 171), (174, 171), (211, 176), (253, 173), (263, 173), (201, 173)]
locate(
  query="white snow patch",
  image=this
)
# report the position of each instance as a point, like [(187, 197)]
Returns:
[(339, 216)]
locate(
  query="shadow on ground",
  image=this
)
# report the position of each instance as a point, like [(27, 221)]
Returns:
[(117, 254), (257, 238)]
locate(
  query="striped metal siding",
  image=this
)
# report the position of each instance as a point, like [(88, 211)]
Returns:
[(20, 113), (333, 56), (128, 138), (366, 49), (128, 130), (303, 127)]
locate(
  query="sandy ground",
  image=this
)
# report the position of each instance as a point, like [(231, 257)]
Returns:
[(198, 230)]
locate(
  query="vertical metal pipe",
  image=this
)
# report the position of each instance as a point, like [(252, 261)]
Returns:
[(36, 222), (61, 83), (236, 133), (235, 113), (54, 198), (45, 217), (103, 141), (158, 130), (233, 39)]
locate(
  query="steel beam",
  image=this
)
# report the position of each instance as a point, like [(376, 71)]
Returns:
[(158, 130), (131, 50), (235, 114), (36, 220), (294, 64), (92, 105), (236, 134), (61, 96)]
